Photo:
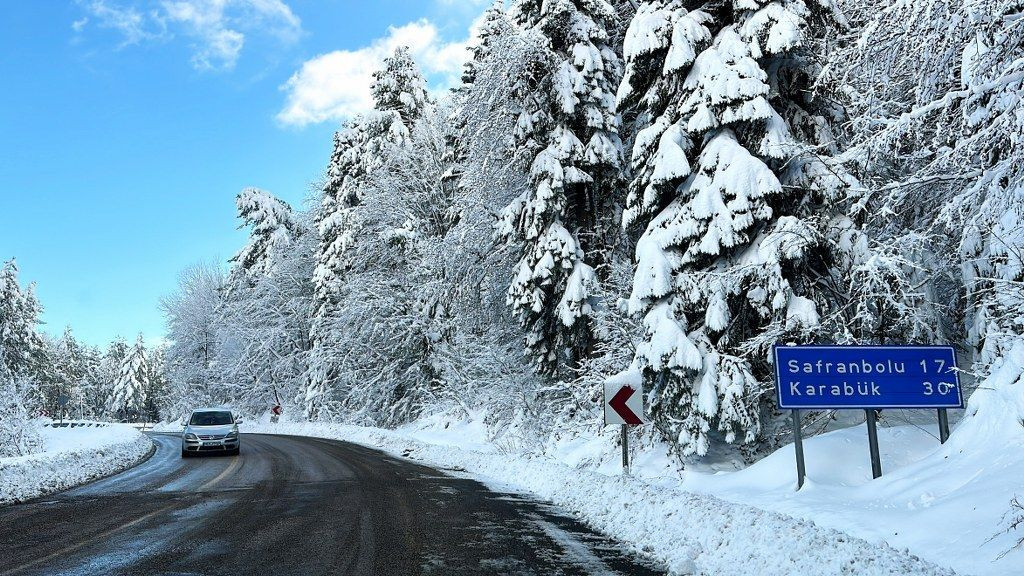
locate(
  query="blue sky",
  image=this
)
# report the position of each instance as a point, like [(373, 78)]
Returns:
[(128, 126)]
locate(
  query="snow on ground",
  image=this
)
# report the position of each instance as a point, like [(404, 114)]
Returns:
[(692, 533), (944, 503), (71, 456)]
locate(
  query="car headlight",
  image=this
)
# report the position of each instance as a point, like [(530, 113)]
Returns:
[(232, 434), (191, 436)]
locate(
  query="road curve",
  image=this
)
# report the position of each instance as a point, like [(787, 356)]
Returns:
[(295, 505)]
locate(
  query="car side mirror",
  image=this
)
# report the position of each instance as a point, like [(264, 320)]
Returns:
[(239, 420)]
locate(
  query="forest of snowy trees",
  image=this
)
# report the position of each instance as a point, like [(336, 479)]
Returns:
[(124, 383), (662, 187)]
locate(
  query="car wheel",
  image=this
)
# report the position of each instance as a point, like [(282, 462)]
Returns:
[(236, 451), (184, 453)]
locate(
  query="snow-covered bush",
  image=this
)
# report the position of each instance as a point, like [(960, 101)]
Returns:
[(933, 90), (18, 434), (1016, 519)]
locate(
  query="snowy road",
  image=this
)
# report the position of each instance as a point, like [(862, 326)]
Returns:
[(294, 505)]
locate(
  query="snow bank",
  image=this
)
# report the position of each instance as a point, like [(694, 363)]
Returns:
[(946, 503), (691, 533), (71, 456)]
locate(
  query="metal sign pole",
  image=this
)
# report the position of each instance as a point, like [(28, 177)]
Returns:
[(876, 459), (798, 442), (943, 426), (625, 449)]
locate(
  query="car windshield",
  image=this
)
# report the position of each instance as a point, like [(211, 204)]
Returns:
[(210, 418)]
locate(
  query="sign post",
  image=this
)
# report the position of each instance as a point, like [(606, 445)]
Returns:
[(876, 457), (62, 402), (623, 404), (798, 444), (866, 378)]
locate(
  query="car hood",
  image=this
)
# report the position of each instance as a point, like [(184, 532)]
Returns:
[(210, 430)]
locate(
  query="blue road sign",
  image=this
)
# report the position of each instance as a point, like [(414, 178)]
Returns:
[(864, 377)]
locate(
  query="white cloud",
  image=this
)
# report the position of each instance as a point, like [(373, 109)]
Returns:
[(336, 85), (218, 27), (127, 20)]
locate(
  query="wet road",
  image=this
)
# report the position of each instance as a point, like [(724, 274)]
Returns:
[(293, 505)]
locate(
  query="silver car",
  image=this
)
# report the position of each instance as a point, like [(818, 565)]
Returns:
[(210, 430)]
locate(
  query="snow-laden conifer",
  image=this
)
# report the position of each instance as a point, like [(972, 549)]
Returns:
[(128, 396), (273, 227), (22, 349), (493, 25), (265, 314), (400, 98), (567, 122), (731, 201)]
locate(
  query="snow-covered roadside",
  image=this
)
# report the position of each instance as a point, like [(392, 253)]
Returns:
[(71, 456), (692, 533)]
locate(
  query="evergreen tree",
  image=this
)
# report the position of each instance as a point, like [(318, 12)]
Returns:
[(273, 227), (128, 394), (22, 349), (70, 372), (568, 124), (494, 25), (91, 402), (266, 311), (400, 97), (399, 88), (734, 205), (155, 392)]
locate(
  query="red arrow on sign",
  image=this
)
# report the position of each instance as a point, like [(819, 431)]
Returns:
[(618, 403)]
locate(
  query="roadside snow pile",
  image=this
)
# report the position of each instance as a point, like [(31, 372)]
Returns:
[(71, 456), (691, 533), (946, 503)]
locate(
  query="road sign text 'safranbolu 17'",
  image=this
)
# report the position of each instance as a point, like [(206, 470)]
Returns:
[(831, 377)]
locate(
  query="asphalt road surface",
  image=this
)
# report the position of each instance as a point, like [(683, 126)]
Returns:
[(302, 506)]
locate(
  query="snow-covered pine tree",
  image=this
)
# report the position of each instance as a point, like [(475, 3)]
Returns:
[(272, 228), (732, 203), (265, 312), (22, 354), (399, 97), (567, 121), (110, 371), (155, 393), (128, 395), (493, 25), (22, 349), (70, 374), (92, 389), (469, 101)]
